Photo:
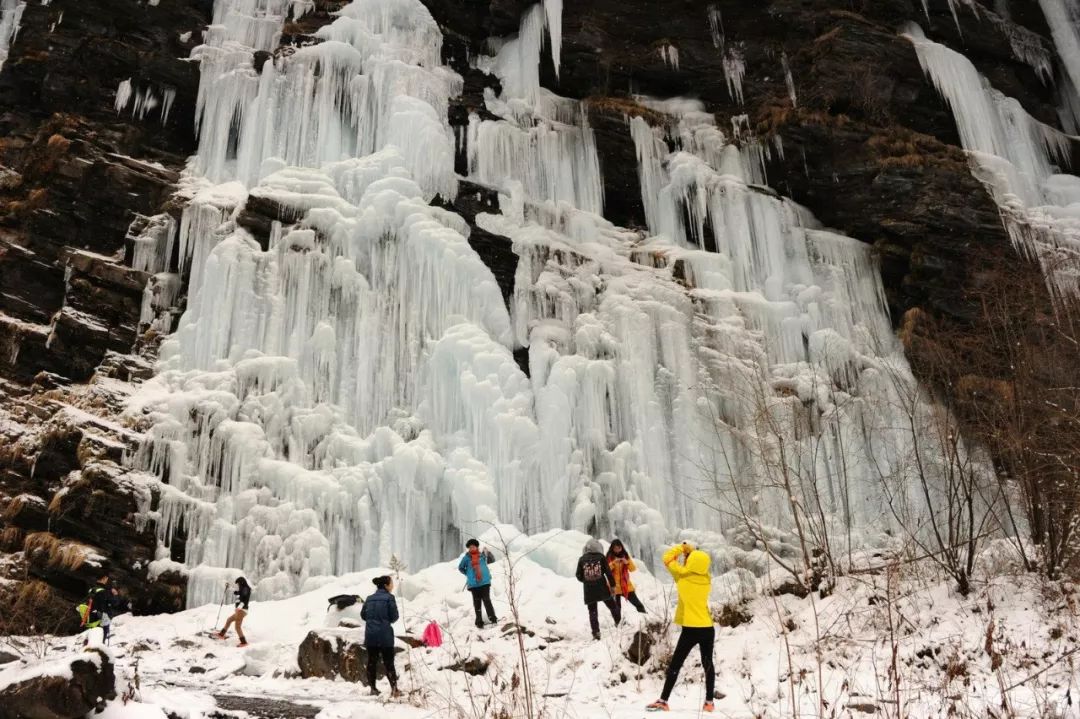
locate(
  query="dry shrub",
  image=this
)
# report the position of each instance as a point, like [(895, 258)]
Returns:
[(33, 607), (11, 539), (731, 615), (627, 106), (905, 161), (58, 554)]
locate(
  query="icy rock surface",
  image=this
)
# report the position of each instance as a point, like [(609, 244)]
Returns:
[(344, 391)]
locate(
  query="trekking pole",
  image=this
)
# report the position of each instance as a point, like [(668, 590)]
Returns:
[(224, 595)]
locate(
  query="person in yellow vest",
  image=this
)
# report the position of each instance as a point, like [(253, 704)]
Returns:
[(690, 568)]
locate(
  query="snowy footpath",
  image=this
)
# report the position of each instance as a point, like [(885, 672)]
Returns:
[(889, 640)]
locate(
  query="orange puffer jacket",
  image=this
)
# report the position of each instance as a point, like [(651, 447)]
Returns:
[(621, 568)]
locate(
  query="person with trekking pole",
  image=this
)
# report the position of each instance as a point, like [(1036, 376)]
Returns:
[(242, 596)]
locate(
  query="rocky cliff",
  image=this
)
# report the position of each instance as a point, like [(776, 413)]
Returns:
[(98, 104)]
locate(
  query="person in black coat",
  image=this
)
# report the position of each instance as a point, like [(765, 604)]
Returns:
[(595, 575), (379, 613), (102, 604), (241, 601)]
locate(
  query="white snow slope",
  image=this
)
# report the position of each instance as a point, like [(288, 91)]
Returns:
[(884, 643)]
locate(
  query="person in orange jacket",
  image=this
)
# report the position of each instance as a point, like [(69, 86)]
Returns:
[(693, 582), (621, 565)]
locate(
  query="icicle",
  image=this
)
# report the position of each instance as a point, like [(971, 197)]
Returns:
[(716, 26), (670, 55), (734, 71), (11, 12), (551, 162), (1063, 18), (789, 80)]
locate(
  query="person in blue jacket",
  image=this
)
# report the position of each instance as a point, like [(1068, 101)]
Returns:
[(474, 565), (379, 613)]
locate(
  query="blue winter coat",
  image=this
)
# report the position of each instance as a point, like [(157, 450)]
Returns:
[(465, 567), (378, 613)]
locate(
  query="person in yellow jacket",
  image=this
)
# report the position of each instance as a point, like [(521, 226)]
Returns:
[(690, 568)]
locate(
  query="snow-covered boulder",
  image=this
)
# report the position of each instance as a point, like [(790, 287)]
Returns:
[(330, 653), (63, 688)]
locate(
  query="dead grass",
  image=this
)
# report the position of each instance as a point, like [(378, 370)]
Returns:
[(58, 554), (905, 161), (626, 106), (33, 607), (11, 539), (731, 615)]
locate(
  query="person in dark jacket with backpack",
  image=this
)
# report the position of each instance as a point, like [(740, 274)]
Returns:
[(595, 575), (379, 613), (101, 605), (241, 602), (474, 565)]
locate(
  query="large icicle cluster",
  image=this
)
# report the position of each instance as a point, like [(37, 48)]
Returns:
[(283, 428), (345, 389), (1019, 158)]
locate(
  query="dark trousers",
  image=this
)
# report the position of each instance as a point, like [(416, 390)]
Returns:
[(482, 595), (387, 654), (632, 597), (594, 618), (689, 638)]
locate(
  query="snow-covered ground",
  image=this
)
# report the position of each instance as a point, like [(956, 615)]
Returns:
[(887, 642)]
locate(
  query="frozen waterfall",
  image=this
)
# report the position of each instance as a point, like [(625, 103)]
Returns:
[(345, 390), (1019, 159)]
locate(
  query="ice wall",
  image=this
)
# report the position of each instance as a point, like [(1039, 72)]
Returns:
[(343, 389), (1019, 158), (284, 426)]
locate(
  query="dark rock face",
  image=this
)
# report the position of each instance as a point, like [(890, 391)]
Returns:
[(79, 163), (72, 183), (92, 682), (332, 653)]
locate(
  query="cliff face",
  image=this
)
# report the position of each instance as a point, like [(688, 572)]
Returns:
[(98, 105)]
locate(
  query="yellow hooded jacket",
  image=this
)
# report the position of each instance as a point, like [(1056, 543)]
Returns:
[(693, 582)]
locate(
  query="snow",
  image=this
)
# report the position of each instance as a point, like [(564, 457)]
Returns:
[(790, 657), (60, 667)]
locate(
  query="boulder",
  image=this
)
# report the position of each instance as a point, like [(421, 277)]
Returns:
[(331, 653), (641, 647), (59, 689)]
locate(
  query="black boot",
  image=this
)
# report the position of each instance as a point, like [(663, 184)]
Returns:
[(493, 619), (479, 622)]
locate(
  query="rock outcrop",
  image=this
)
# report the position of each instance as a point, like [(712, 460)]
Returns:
[(332, 653), (65, 688)]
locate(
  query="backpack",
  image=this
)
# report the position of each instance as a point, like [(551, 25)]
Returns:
[(341, 601), (432, 635)]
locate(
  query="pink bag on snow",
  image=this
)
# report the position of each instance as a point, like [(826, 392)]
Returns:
[(432, 635)]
